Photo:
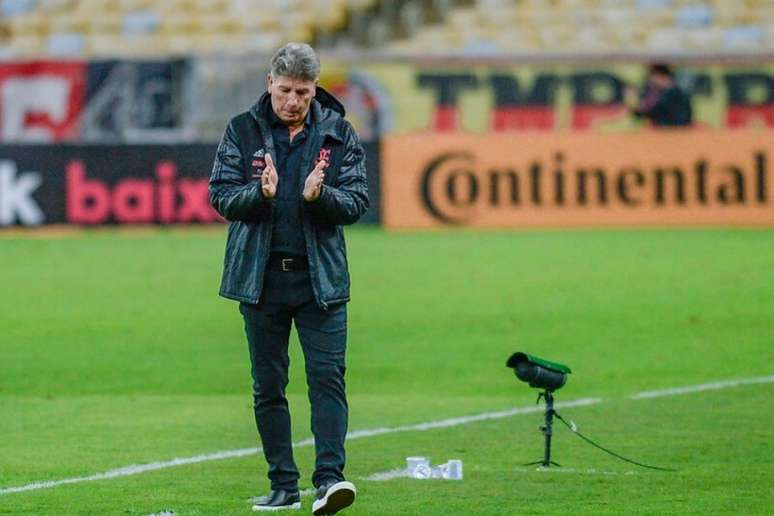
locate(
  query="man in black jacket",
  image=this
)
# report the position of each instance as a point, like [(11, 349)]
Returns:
[(662, 101), (287, 176)]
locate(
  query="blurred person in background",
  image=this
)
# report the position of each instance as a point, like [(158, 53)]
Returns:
[(662, 101), (288, 174)]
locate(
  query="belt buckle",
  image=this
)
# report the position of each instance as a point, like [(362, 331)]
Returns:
[(286, 264)]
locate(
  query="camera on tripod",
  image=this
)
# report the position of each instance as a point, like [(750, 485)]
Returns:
[(551, 376), (546, 375)]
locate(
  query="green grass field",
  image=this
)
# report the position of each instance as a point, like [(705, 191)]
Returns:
[(115, 350)]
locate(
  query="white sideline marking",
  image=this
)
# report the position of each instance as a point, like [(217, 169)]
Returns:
[(359, 434), (388, 475), (713, 386), (136, 469), (464, 420)]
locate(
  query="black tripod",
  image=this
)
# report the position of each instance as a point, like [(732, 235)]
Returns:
[(547, 429)]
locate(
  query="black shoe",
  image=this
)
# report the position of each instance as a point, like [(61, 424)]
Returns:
[(278, 501), (333, 497)]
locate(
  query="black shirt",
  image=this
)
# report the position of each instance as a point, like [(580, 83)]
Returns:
[(288, 231), (665, 108)]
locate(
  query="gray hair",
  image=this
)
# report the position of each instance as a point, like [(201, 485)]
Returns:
[(296, 60)]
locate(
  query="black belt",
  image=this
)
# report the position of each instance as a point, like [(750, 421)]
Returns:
[(279, 263)]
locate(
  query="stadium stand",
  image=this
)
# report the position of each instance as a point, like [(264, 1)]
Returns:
[(579, 26), (94, 28), (97, 28)]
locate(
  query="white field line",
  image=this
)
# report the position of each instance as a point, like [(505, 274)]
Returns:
[(713, 386), (389, 475), (464, 420), (136, 469), (359, 434), (133, 470)]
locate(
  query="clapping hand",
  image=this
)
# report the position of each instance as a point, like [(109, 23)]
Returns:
[(269, 178), (314, 181)]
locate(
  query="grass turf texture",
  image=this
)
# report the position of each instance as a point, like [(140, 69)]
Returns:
[(115, 350)]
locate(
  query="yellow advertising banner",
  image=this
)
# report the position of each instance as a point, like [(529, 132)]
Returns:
[(688, 177), (485, 97)]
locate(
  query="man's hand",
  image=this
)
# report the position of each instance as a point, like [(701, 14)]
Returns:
[(269, 178), (314, 181)]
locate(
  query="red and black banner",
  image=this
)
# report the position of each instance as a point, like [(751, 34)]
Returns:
[(121, 184)]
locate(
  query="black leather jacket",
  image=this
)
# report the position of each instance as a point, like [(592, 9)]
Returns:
[(235, 192)]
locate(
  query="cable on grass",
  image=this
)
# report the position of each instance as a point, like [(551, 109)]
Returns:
[(574, 429)]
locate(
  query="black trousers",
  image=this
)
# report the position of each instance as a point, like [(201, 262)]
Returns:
[(288, 297)]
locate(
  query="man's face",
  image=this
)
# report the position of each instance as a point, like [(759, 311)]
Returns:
[(660, 80), (290, 97)]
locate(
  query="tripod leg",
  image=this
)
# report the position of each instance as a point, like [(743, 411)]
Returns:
[(547, 430)]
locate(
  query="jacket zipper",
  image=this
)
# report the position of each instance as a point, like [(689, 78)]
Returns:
[(266, 244), (267, 239)]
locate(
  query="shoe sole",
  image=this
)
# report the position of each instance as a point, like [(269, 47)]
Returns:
[(339, 496), (261, 508)]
